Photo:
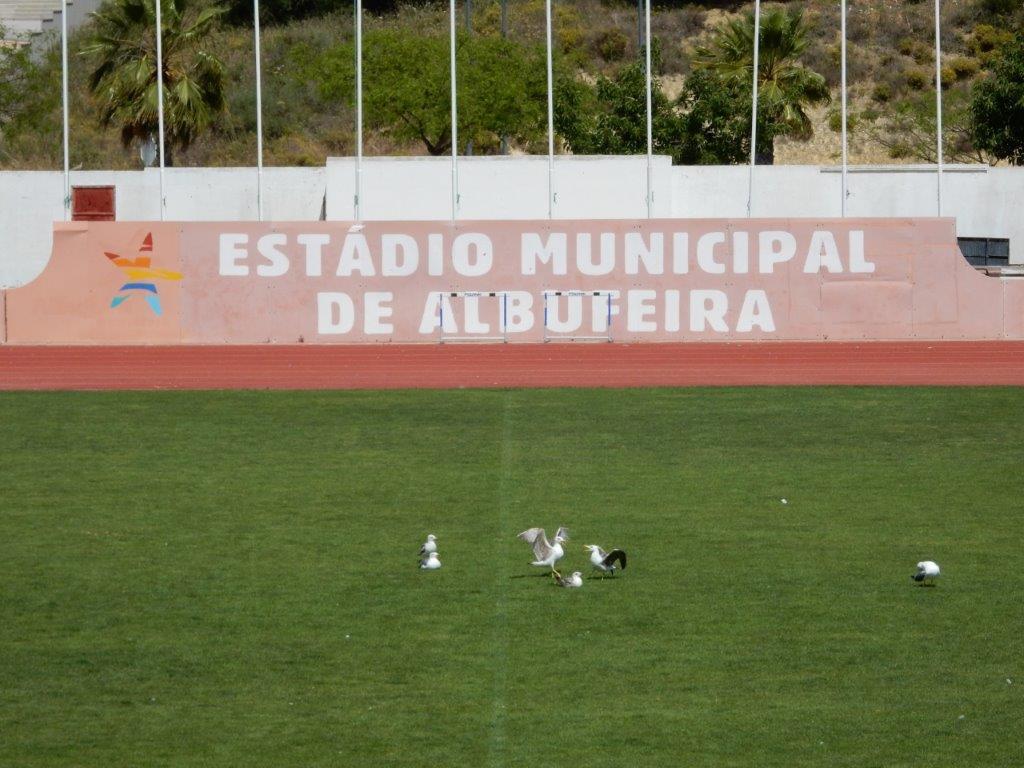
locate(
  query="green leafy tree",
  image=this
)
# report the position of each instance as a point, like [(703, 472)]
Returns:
[(15, 70), (125, 80), (709, 123), (714, 124), (997, 106), (611, 118), (502, 88), (786, 88)]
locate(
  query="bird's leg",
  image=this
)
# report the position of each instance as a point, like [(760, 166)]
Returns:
[(555, 573)]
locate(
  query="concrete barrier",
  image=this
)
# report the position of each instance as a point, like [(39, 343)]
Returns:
[(430, 281)]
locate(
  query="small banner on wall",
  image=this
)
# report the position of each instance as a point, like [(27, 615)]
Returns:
[(521, 281)]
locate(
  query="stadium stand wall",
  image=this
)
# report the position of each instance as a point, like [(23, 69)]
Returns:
[(983, 200), (669, 280)]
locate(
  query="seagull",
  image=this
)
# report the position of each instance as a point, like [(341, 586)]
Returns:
[(544, 552), (430, 545), (605, 561), (576, 580), (430, 562), (927, 572)]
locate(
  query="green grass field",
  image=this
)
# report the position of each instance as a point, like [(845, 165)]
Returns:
[(229, 579)]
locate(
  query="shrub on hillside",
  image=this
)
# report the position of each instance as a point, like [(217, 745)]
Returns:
[(881, 93), (283, 11), (917, 79), (985, 42), (612, 44), (964, 67)]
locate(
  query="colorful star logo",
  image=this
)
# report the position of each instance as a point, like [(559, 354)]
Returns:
[(139, 273)]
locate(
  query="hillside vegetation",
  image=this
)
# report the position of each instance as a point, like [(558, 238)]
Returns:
[(308, 109)]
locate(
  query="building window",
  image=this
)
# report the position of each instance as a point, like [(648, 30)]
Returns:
[(985, 251)]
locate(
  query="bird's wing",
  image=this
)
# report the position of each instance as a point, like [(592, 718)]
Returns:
[(539, 540), (613, 556), (423, 549), (530, 535), (562, 533)]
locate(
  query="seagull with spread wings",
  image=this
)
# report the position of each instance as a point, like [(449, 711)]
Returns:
[(545, 553), (606, 562)]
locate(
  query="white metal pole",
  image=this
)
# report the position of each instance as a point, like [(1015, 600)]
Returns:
[(551, 116), (357, 199), (64, 104), (455, 117), (160, 101), (842, 68), (259, 112), (650, 140), (938, 110), (753, 109)]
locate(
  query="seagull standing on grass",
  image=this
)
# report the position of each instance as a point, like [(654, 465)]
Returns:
[(544, 552), (575, 580), (927, 572), (430, 562), (430, 545), (606, 561)]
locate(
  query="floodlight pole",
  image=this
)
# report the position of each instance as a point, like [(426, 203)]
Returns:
[(647, 69), (259, 111), (504, 36), (753, 111), (160, 100), (842, 33), (357, 197), (455, 115), (64, 104), (938, 109), (551, 115)]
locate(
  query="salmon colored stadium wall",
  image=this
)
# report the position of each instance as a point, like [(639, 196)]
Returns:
[(670, 280)]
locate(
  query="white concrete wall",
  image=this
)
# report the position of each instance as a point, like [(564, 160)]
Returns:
[(419, 188), (985, 201), (30, 201)]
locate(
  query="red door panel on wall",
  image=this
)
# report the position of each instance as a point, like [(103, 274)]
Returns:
[(93, 204)]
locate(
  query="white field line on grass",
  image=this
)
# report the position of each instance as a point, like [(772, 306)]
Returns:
[(499, 709)]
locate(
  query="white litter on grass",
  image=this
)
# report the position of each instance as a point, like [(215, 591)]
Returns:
[(961, 717), (1009, 681), (785, 502)]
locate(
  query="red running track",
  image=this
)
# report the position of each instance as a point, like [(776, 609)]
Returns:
[(514, 365)]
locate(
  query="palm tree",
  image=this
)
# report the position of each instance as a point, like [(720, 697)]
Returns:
[(786, 88), (124, 81)]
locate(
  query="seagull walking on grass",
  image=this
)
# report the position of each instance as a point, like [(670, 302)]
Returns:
[(927, 572), (430, 562), (545, 553), (571, 582), (606, 562)]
